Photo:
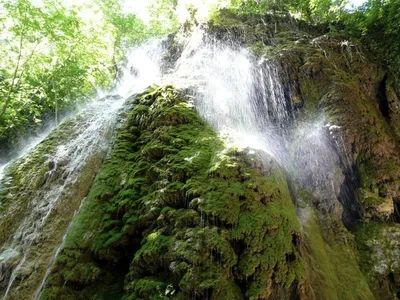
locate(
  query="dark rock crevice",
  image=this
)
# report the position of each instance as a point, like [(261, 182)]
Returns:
[(352, 210), (396, 204), (382, 99)]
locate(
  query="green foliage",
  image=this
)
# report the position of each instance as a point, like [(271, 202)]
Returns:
[(57, 54), (130, 30), (314, 11), (53, 59), (377, 25)]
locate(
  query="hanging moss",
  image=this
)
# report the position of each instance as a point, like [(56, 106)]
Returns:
[(180, 216), (332, 260)]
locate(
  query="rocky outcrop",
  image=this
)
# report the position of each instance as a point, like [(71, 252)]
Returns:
[(173, 214), (333, 76)]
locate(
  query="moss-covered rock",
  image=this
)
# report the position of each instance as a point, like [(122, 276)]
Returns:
[(379, 248), (333, 76), (42, 191), (173, 214)]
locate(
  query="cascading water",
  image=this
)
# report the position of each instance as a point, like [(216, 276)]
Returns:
[(90, 137), (25, 149), (242, 97), (87, 136), (51, 263), (239, 94)]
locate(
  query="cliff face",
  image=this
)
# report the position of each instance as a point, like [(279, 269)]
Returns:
[(184, 217), (176, 213), (332, 76), (41, 192), (35, 212)]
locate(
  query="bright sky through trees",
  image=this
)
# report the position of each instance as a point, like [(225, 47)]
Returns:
[(140, 7), (355, 3)]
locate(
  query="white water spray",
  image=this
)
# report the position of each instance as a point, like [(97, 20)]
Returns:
[(243, 98), (239, 94)]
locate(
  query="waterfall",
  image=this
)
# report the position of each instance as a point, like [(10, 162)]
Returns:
[(242, 97), (238, 93), (88, 134), (90, 137)]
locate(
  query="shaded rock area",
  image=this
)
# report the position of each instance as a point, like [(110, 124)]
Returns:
[(334, 76)]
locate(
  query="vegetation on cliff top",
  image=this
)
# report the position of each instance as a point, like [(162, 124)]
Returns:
[(56, 55)]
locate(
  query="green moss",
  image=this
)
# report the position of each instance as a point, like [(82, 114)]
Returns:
[(225, 18), (332, 261), (151, 289), (31, 178), (184, 214)]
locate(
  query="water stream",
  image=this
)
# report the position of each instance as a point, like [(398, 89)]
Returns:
[(89, 138)]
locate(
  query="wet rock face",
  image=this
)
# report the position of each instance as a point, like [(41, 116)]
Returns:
[(392, 93), (174, 214), (334, 77), (317, 167), (379, 257), (42, 191)]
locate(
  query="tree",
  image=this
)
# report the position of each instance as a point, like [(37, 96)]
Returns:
[(54, 59)]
